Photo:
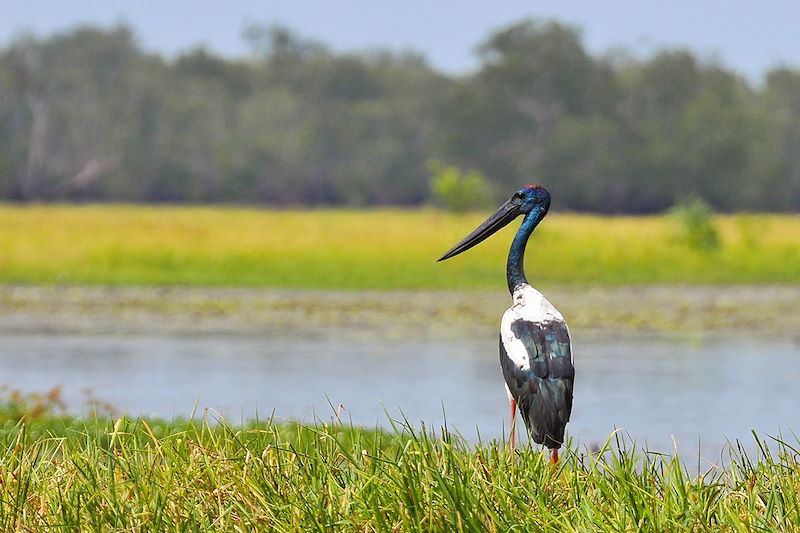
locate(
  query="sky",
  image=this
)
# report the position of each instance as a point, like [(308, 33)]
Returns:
[(748, 36)]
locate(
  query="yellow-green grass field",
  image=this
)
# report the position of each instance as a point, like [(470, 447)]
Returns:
[(379, 249)]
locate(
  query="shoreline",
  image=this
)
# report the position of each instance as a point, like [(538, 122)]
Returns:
[(593, 311)]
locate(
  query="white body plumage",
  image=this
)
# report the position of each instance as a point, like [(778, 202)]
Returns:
[(532, 306)]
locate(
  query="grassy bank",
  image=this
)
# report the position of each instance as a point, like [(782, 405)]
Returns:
[(683, 310), (372, 249), (150, 475)]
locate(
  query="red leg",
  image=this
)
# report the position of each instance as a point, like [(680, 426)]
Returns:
[(513, 423), (554, 455)]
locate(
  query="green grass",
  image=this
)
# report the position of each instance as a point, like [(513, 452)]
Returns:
[(151, 475), (208, 246), (99, 473)]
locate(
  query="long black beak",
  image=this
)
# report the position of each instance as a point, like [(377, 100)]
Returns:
[(505, 214)]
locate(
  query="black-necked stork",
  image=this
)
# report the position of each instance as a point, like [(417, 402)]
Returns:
[(535, 349)]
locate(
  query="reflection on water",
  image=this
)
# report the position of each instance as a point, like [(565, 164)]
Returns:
[(652, 388)]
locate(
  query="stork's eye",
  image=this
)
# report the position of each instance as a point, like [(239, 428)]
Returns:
[(518, 196)]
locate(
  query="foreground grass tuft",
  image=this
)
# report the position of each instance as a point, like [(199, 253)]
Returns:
[(138, 474)]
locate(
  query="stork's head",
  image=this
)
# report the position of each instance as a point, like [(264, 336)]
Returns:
[(529, 199)]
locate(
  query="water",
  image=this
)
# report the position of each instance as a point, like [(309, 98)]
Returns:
[(657, 390)]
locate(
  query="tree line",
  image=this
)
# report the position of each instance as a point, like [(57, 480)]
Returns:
[(89, 115)]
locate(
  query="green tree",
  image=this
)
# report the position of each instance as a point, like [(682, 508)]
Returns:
[(459, 191), (87, 114), (695, 224)]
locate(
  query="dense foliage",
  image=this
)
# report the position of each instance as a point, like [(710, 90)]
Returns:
[(90, 115)]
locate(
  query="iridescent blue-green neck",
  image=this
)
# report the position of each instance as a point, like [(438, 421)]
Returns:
[(515, 273)]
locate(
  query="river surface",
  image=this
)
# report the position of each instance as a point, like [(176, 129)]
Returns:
[(657, 390)]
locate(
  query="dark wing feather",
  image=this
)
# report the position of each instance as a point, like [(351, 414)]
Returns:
[(544, 391)]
